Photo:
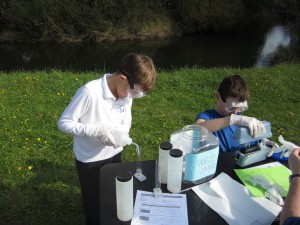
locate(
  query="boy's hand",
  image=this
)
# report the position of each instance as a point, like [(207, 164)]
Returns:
[(255, 126), (106, 137), (294, 161), (121, 135)]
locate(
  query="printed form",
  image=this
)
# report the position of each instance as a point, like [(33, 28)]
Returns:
[(165, 210)]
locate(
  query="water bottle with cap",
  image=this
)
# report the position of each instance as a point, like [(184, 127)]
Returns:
[(164, 149), (175, 162), (124, 196)]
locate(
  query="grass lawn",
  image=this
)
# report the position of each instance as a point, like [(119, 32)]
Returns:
[(38, 180)]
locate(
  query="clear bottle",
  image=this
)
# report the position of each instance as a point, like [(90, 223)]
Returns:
[(164, 149), (124, 196), (175, 162)]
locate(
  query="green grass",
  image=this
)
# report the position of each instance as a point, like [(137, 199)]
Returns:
[(38, 180)]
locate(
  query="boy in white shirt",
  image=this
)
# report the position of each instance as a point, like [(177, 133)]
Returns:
[(98, 109)]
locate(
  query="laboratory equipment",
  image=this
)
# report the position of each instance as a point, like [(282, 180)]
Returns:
[(124, 196), (157, 187), (251, 150), (273, 191), (175, 161), (200, 153), (139, 173), (164, 149), (283, 151), (121, 137)]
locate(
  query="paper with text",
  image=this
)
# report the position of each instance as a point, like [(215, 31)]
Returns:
[(165, 210)]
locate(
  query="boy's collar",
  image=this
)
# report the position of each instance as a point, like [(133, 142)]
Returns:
[(106, 91)]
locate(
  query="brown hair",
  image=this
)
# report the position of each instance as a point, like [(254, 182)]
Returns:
[(139, 69), (234, 86)]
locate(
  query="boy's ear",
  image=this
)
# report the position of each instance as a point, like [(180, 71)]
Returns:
[(217, 95), (122, 77)]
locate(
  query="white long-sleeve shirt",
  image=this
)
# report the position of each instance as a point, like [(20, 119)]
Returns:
[(92, 106)]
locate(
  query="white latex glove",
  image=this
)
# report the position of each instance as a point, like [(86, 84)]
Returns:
[(269, 143), (289, 145), (255, 126), (105, 136), (273, 145), (121, 137)]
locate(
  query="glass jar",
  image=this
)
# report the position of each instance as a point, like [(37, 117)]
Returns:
[(200, 153)]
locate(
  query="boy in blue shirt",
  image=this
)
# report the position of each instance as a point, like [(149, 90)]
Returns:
[(231, 99)]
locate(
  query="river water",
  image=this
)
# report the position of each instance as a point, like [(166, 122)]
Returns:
[(248, 49)]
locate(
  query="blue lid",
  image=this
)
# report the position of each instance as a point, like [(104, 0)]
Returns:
[(242, 134), (277, 156)]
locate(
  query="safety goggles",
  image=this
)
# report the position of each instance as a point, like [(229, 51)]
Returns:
[(233, 106), (134, 91), (131, 84)]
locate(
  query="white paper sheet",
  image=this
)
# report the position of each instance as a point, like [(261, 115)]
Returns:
[(165, 210), (232, 202), (276, 163)]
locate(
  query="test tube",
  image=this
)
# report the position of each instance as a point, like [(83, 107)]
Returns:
[(157, 190), (139, 173), (138, 158)]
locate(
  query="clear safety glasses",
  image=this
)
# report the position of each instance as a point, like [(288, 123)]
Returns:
[(135, 90), (233, 106)]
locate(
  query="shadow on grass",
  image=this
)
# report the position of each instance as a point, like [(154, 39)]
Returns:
[(51, 196)]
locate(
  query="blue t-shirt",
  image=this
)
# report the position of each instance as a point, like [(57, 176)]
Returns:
[(224, 135), (292, 221)]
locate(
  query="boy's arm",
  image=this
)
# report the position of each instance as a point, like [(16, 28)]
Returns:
[(291, 206), (292, 202), (69, 121), (255, 126), (215, 124)]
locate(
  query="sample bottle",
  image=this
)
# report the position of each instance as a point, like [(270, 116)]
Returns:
[(175, 163), (124, 196), (164, 149)]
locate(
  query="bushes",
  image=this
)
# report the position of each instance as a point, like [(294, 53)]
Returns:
[(98, 20), (55, 19), (206, 15), (89, 20)]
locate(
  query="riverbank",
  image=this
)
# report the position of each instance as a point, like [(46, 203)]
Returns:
[(38, 178), (158, 28), (103, 21)]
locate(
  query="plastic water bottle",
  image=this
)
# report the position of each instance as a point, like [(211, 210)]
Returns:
[(124, 196), (164, 149), (121, 138), (175, 163)]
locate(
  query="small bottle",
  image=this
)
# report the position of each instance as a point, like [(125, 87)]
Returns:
[(164, 149), (121, 138), (124, 196), (175, 163)]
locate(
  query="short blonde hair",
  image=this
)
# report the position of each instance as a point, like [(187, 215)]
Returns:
[(139, 69)]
